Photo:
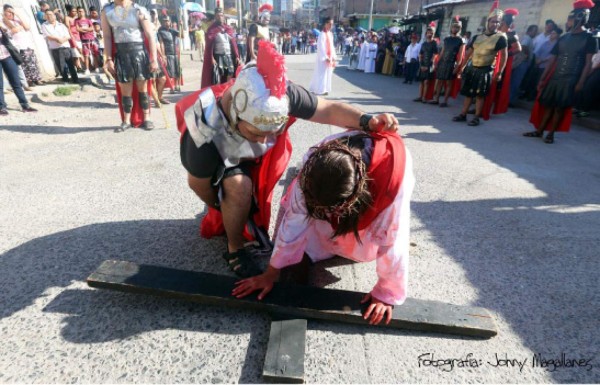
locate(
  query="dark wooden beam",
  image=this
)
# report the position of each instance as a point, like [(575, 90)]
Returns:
[(290, 300), (284, 361)]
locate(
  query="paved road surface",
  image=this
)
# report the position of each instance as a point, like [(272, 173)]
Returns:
[(499, 221)]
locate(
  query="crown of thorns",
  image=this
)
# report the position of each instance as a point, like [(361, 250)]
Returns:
[(348, 205)]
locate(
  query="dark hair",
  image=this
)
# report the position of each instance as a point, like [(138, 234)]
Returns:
[(558, 30), (7, 6), (42, 3), (531, 28), (78, 8), (69, 7), (333, 177), (550, 21), (92, 9)]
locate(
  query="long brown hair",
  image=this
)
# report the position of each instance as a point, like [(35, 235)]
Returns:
[(334, 183)]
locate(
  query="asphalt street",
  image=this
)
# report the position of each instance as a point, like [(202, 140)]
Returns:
[(498, 220)]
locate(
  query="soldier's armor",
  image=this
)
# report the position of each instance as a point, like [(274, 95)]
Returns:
[(125, 23), (484, 49), (232, 147)]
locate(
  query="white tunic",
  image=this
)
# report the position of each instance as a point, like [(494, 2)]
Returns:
[(370, 58), (362, 56), (321, 81)]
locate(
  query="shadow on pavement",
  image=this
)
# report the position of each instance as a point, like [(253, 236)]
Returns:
[(534, 261)]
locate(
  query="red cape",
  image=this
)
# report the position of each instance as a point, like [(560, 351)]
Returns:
[(491, 96), (503, 94), (457, 80), (537, 113), (385, 173), (265, 175), (431, 83), (207, 67)]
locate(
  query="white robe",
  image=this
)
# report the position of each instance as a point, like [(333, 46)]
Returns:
[(362, 56), (321, 81), (385, 240), (370, 60)]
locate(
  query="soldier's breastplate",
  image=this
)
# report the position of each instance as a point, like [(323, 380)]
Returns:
[(222, 44), (571, 58), (262, 32), (484, 50), (125, 24)]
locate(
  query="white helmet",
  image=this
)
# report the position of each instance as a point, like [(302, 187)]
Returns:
[(259, 92)]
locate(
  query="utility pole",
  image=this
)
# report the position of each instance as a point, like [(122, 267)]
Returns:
[(406, 8), (371, 16), (240, 13)]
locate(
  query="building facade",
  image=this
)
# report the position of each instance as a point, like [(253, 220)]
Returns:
[(474, 13)]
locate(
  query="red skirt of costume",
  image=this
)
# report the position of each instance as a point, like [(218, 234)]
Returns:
[(265, 174)]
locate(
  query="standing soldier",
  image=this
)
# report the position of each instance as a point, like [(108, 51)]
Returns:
[(500, 95), (426, 57), (221, 56), (258, 31), (167, 40), (482, 50), (450, 57), (130, 48), (565, 74)]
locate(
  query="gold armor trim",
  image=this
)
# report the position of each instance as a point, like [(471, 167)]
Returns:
[(484, 49), (263, 32), (270, 120)]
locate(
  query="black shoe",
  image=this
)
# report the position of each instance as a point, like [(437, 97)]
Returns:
[(533, 134), (474, 122), (28, 108), (147, 125), (3, 111), (124, 126), (460, 118)]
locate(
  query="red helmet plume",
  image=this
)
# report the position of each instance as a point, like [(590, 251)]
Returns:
[(271, 65), (265, 7)]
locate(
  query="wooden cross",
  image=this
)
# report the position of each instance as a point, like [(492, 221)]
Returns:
[(285, 353)]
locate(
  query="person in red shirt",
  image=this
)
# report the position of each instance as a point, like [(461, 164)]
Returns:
[(85, 27)]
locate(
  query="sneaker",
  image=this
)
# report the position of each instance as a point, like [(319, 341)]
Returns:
[(97, 70), (3, 111), (87, 72)]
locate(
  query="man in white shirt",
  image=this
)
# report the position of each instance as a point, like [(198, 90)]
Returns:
[(57, 35), (411, 59), (545, 36)]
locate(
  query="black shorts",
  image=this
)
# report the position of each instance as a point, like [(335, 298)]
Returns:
[(205, 161)]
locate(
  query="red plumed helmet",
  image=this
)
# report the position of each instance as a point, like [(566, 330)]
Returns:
[(265, 7), (583, 4), (511, 11), (271, 65)]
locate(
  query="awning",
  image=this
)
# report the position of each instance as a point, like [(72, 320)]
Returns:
[(444, 2), (423, 18)]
